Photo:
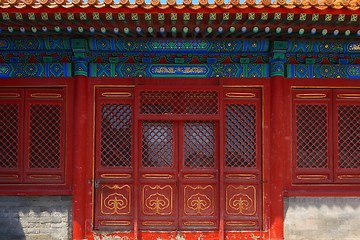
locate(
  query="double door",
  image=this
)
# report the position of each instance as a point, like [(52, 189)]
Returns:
[(179, 175)]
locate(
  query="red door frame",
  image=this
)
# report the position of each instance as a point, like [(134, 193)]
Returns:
[(264, 84)]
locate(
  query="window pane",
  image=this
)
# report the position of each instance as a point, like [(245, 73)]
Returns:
[(199, 144), (45, 136), (116, 135), (9, 135), (311, 136), (349, 136), (157, 144), (240, 135)]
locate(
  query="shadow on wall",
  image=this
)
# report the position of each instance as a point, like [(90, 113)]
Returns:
[(10, 226), (322, 218), (35, 217)]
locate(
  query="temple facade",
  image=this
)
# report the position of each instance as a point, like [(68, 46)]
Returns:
[(179, 120)]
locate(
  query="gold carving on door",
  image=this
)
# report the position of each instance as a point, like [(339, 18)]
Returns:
[(199, 200), (115, 199), (157, 200), (240, 200)]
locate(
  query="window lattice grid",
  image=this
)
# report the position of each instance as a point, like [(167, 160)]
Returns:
[(116, 135), (45, 136), (240, 147), (311, 136), (199, 144), (9, 135), (179, 102), (157, 144), (349, 136)]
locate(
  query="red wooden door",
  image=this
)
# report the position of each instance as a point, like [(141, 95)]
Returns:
[(178, 175), (165, 158)]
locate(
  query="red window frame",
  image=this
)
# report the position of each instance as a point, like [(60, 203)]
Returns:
[(327, 125), (44, 149)]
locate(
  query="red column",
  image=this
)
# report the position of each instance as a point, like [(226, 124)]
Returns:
[(80, 156), (278, 152)]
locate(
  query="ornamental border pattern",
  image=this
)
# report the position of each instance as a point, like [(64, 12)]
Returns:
[(322, 71), (22, 70), (247, 58), (177, 71)]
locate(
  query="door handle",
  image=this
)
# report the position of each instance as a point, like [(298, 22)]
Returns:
[(96, 183)]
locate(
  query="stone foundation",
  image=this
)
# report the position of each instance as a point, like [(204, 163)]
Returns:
[(322, 218), (35, 217)]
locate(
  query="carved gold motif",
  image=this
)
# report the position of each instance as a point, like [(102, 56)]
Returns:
[(9, 176), (44, 177), (116, 94), (157, 175), (113, 175), (241, 175), (9, 95), (241, 200), (157, 223), (240, 95), (199, 175), (198, 223), (115, 223), (117, 201), (199, 203), (240, 223), (312, 177), (349, 95), (158, 203), (311, 95), (349, 176), (45, 95)]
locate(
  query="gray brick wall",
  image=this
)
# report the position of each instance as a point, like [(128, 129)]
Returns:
[(322, 218), (35, 217)]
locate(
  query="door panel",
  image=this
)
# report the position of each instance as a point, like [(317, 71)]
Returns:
[(114, 184), (243, 154), (158, 175), (199, 175)]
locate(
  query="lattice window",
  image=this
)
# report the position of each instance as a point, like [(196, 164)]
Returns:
[(199, 144), (157, 144), (349, 136), (179, 102), (116, 135), (312, 136), (9, 135), (240, 135), (45, 136)]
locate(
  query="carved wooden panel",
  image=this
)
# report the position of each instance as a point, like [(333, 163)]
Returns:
[(114, 206), (115, 199), (157, 200), (241, 200), (243, 205), (199, 205), (199, 200)]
